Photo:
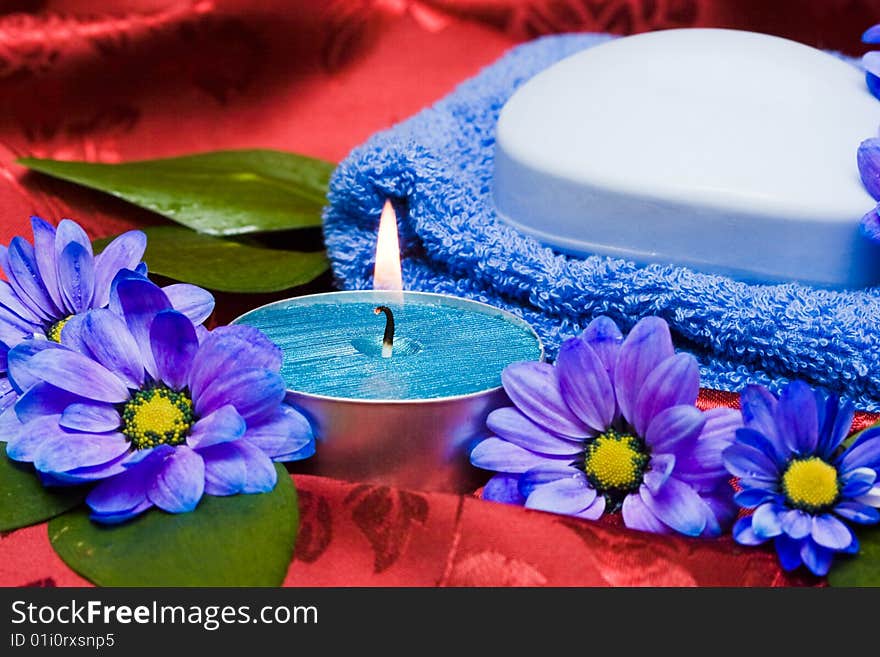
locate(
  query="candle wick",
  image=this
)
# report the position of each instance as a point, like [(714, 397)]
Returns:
[(388, 338)]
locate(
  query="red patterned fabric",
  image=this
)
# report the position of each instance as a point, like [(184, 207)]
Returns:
[(133, 79)]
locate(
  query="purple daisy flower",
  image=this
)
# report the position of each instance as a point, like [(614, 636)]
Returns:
[(613, 426), (800, 481), (136, 400), (58, 277)]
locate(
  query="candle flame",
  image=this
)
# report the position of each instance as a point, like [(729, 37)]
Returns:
[(387, 275)]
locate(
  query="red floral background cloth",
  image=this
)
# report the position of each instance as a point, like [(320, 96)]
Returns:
[(129, 79)]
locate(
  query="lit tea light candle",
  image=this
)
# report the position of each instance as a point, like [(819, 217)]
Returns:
[(396, 402)]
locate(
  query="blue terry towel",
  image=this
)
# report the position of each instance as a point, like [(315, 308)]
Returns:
[(437, 167)]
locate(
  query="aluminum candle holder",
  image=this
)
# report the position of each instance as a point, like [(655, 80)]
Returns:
[(406, 417)]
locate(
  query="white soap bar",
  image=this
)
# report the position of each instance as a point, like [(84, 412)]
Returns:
[(729, 152)]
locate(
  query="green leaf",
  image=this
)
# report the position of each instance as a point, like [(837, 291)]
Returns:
[(219, 193), (862, 569), (242, 540), (226, 265), (25, 501)]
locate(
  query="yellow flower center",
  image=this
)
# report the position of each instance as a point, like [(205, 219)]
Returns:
[(615, 462), (157, 416), (810, 484), (54, 330)]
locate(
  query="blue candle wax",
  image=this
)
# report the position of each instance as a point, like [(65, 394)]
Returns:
[(443, 346)]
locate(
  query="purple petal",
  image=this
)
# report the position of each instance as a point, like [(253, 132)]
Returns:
[(225, 470), (797, 418), (718, 511), (870, 225), (677, 505), (221, 426), (836, 419), (562, 496), (174, 342), (857, 512), (594, 511), (180, 482), (721, 424), (816, 558), (9, 423), (44, 253), (12, 302), (637, 515), (868, 159), (76, 277), (21, 268), (873, 82), (759, 413), (758, 441), (128, 490), (603, 336), (230, 348), (73, 372), (857, 482), (789, 551), (743, 534), (704, 466), (829, 532), (534, 389), (305, 451), (871, 498), (122, 275), (865, 452), (766, 522), (140, 301), (20, 375), (511, 425), (194, 302), (72, 335), (124, 252), (744, 461), (547, 473), (661, 468), (675, 381), (871, 35), (26, 441), (71, 232), (796, 523), (675, 429), (65, 451), (122, 516), (502, 456), (749, 498), (8, 396), (14, 330), (89, 474), (91, 418), (109, 342), (647, 345), (284, 433), (43, 399), (261, 473), (255, 393), (503, 488), (585, 384)]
